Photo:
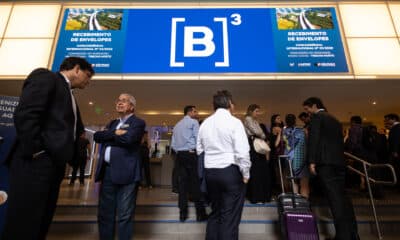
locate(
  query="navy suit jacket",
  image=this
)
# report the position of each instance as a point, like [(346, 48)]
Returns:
[(125, 160)]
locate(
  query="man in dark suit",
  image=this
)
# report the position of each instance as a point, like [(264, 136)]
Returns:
[(119, 169), (326, 159), (392, 123), (47, 122)]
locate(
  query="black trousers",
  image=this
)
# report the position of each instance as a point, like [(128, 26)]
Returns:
[(333, 183), (226, 192), (34, 188), (188, 182), (146, 168), (82, 166), (175, 180)]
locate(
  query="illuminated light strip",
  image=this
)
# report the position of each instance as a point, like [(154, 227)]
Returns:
[(107, 77), (160, 77), (263, 5), (174, 113), (13, 77), (365, 77), (150, 113), (204, 113), (211, 77), (199, 5), (236, 77), (306, 77)]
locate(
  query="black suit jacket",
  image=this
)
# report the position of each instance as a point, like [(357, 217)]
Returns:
[(394, 139), (44, 119), (325, 141)]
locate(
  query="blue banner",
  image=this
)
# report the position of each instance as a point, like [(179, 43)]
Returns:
[(257, 40), (7, 139)]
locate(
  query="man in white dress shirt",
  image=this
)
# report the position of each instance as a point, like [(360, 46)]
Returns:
[(223, 139)]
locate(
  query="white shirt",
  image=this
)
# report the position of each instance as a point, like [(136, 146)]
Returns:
[(73, 103), (223, 139)]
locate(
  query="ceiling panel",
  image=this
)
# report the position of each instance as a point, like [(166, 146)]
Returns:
[(342, 98)]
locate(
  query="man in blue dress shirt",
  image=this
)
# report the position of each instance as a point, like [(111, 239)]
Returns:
[(184, 144)]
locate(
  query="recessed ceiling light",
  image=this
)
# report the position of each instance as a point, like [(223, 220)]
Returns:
[(91, 103), (374, 103)]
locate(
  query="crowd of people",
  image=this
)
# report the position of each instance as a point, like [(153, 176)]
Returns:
[(221, 161), (234, 166)]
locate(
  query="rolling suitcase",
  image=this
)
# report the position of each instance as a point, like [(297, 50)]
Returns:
[(295, 216)]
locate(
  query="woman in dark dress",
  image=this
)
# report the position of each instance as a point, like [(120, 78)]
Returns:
[(277, 147), (259, 185)]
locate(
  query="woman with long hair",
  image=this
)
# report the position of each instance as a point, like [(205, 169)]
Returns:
[(277, 145), (259, 186)]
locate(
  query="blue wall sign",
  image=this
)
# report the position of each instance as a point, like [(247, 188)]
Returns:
[(257, 40)]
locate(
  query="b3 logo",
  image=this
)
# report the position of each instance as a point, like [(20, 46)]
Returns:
[(198, 41)]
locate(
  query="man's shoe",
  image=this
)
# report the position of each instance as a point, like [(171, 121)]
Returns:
[(202, 217), (183, 216)]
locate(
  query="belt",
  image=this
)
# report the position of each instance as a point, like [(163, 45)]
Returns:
[(188, 151)]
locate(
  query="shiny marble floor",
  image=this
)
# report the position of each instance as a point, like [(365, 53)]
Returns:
[(88, 194)]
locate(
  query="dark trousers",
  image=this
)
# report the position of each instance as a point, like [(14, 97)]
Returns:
[(82, 166), (146, 168), (333, 183), (175, 180), (34, 188), (116, 200), (226, 192), (188, 182)]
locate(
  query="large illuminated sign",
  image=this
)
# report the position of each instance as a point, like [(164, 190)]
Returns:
[(232, 40)]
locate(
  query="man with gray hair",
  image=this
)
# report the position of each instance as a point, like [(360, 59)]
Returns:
[(119, 169), (223, 140)]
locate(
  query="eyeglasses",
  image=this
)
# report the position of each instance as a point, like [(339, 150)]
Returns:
[(122, 101)]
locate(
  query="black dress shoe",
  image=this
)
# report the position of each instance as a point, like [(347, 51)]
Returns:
[(202, 217), (183, 216)]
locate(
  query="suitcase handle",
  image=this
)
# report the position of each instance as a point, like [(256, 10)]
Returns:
[(280, 171), (291, 177)]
